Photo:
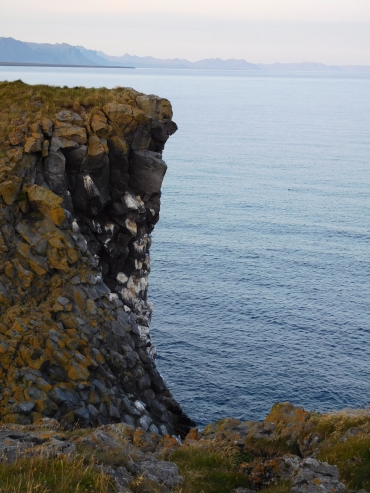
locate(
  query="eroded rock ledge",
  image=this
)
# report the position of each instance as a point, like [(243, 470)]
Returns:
[(80, 195)]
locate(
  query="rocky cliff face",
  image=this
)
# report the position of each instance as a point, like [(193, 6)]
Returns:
[(80, 195)]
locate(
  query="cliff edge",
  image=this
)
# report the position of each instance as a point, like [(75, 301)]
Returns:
[(80, 178)]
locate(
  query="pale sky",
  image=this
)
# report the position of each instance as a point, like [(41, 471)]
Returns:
[(260, 31)]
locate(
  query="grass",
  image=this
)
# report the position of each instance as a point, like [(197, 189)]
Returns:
[(30, 102), (335, 424), (206, 471), (144, 485), (41, 475), (109, 457), (353, 460), (263, 447), (282, 487)]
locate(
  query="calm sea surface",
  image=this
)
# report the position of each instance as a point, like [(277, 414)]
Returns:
[(261, 262)]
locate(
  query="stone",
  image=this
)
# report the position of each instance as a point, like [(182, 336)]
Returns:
[(159, 471), (33, 144), (24, 407), (314, 476), (57, 143), (157, 108), (78, 206), (47, 126), (69, 132), (99, 124), (46, 202), (54, 172), (66, 116), (113, 411), (18, 443), (145, 422), (148, 170), (45, 148), (9, 191), (97, 156), (60, 396), (118, 113)]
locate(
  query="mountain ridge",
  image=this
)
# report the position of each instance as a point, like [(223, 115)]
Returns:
[(15, 51)]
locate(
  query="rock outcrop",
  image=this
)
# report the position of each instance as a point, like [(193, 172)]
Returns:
[(79, 198)]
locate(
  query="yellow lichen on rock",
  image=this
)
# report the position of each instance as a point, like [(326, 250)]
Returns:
[(47, 202), (8, 191)]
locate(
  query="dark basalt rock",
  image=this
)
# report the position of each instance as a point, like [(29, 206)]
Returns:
[(78, 202)]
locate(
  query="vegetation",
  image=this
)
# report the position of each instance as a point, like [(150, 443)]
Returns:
[(25, 104), (208, 471), (353, 460), (263, 447), (208, 465), (112, 458), (282, 487), (40, 475), (335, 425)]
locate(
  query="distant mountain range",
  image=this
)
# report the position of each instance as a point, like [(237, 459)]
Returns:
[(13, 51)]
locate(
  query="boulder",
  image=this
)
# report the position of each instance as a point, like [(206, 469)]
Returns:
[(314, 476)]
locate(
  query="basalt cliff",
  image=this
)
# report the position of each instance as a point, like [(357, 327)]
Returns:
[(80, 185)]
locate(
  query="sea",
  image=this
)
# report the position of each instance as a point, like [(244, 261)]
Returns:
[(261, 260)]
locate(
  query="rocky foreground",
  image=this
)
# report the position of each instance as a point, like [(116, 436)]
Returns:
[(291, 451)]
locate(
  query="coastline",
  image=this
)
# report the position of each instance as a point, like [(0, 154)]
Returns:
[(22, 64)]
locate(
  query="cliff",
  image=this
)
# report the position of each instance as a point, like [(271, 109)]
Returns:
[(80, 178)]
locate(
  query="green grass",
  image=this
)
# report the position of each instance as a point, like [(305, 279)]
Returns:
[(207, 471), (353, 460), (40, 475)]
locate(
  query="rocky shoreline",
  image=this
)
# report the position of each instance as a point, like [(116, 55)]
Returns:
[(285, 453)]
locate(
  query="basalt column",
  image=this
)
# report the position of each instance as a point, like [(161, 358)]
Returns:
[(80, 195)]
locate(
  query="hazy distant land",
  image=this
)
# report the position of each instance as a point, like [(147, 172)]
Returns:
[(14, 52)]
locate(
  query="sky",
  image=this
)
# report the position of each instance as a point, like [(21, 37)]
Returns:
[(260, 31)]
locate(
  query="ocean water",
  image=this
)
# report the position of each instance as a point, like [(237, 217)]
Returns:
[(260, 263)]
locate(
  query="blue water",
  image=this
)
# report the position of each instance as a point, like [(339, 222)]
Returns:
[(260, 264)]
